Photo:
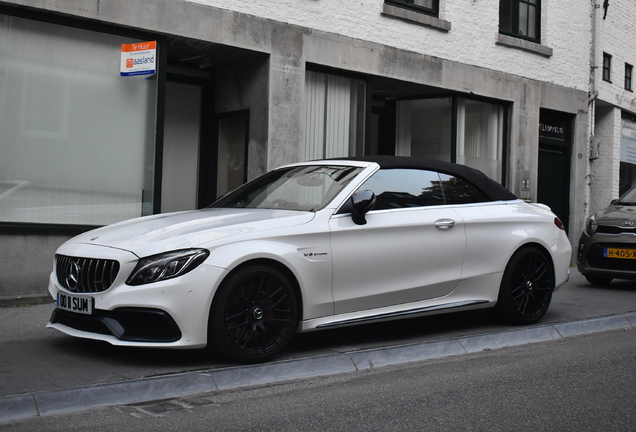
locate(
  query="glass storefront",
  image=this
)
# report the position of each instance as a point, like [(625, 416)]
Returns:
[(451, 129), (76, 139), (628, 155), (334, 116), (425, 129), (480, 127)]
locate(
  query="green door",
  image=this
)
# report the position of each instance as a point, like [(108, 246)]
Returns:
[(553, 187)]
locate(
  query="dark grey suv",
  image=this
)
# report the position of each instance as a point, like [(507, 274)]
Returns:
[(607, 247)]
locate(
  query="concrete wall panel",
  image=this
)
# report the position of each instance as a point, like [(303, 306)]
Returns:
[(26, 261)]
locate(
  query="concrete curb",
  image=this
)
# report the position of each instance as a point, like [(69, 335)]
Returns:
[(23, 406), (26, 300)]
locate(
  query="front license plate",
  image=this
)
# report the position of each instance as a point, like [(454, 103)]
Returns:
[(619, 253), (83, 305)]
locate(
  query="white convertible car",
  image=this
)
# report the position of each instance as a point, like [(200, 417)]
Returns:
[(310, 246)]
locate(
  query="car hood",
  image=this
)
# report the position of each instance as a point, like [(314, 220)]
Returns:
[(154, 234), (616, 215)]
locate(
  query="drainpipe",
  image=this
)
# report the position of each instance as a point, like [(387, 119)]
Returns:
[(595, 68), (595, 50), (595, 72)]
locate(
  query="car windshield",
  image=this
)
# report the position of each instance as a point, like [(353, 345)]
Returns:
[(629, 198), (301, 188)]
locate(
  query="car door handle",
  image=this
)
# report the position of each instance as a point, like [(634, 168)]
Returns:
[(444, 224)]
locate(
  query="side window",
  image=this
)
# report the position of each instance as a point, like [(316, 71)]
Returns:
[(404, 188), (520, 18), (459, 191), (430, 7), (607, 67)]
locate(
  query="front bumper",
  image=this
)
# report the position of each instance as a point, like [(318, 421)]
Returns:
[(168, 314), (591, 261), (126, 324)]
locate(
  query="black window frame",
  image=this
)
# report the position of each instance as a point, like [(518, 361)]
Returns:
[(408, 4), (607, 67), (629, 73), (509, 20)]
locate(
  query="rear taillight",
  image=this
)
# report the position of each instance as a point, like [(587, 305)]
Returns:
[(559, 224)]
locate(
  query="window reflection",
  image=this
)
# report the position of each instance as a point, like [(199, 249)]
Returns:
[(425, 130), (70, 153), (406, 188)]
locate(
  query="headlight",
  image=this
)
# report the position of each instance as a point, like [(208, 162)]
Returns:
[(591, 225), (166, 265)]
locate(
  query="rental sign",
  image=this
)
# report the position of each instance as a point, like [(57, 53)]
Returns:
[(139, 59)]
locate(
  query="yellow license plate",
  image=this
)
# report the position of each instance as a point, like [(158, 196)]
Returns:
[(619, 253)]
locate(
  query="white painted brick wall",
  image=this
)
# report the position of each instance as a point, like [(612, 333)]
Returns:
[(566, 28), (618, 38), (604, 185)]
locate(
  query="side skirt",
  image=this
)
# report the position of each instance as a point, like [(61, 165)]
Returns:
[(403, 314)]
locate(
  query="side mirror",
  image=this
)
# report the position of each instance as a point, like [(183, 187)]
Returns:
[(361, 204)]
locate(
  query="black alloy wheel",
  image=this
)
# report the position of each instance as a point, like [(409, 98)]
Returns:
[(253, 315), (526, 288)]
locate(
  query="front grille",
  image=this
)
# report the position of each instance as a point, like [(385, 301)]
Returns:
[(85, 275), (613, 229)]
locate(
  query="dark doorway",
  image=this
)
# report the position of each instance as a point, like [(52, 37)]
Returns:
[(383, 127), (232, 145), (555, 143)]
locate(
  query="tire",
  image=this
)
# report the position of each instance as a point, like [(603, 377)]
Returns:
[(526, 288), (253, 316), (599, 280)]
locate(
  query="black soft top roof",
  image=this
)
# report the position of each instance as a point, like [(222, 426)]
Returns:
[(491, 188)]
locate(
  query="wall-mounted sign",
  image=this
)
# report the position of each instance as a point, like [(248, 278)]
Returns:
[(552, 129), (139, 59)]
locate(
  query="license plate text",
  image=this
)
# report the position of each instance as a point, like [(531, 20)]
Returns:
[(83, 305), (619, 253)]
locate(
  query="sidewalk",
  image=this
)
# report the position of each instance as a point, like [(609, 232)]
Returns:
[(43, 372)]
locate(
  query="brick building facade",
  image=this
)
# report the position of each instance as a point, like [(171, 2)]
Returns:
[(613, 102), (242, 87)]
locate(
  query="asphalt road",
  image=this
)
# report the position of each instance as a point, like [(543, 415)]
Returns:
[(578, 384), (43, 372)]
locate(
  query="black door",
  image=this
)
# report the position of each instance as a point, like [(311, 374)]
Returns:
[(555, 143)]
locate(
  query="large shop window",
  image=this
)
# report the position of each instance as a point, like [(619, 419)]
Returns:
[(628, 155), (76, 139), (521, 18), (425, 129), (334, 116)]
